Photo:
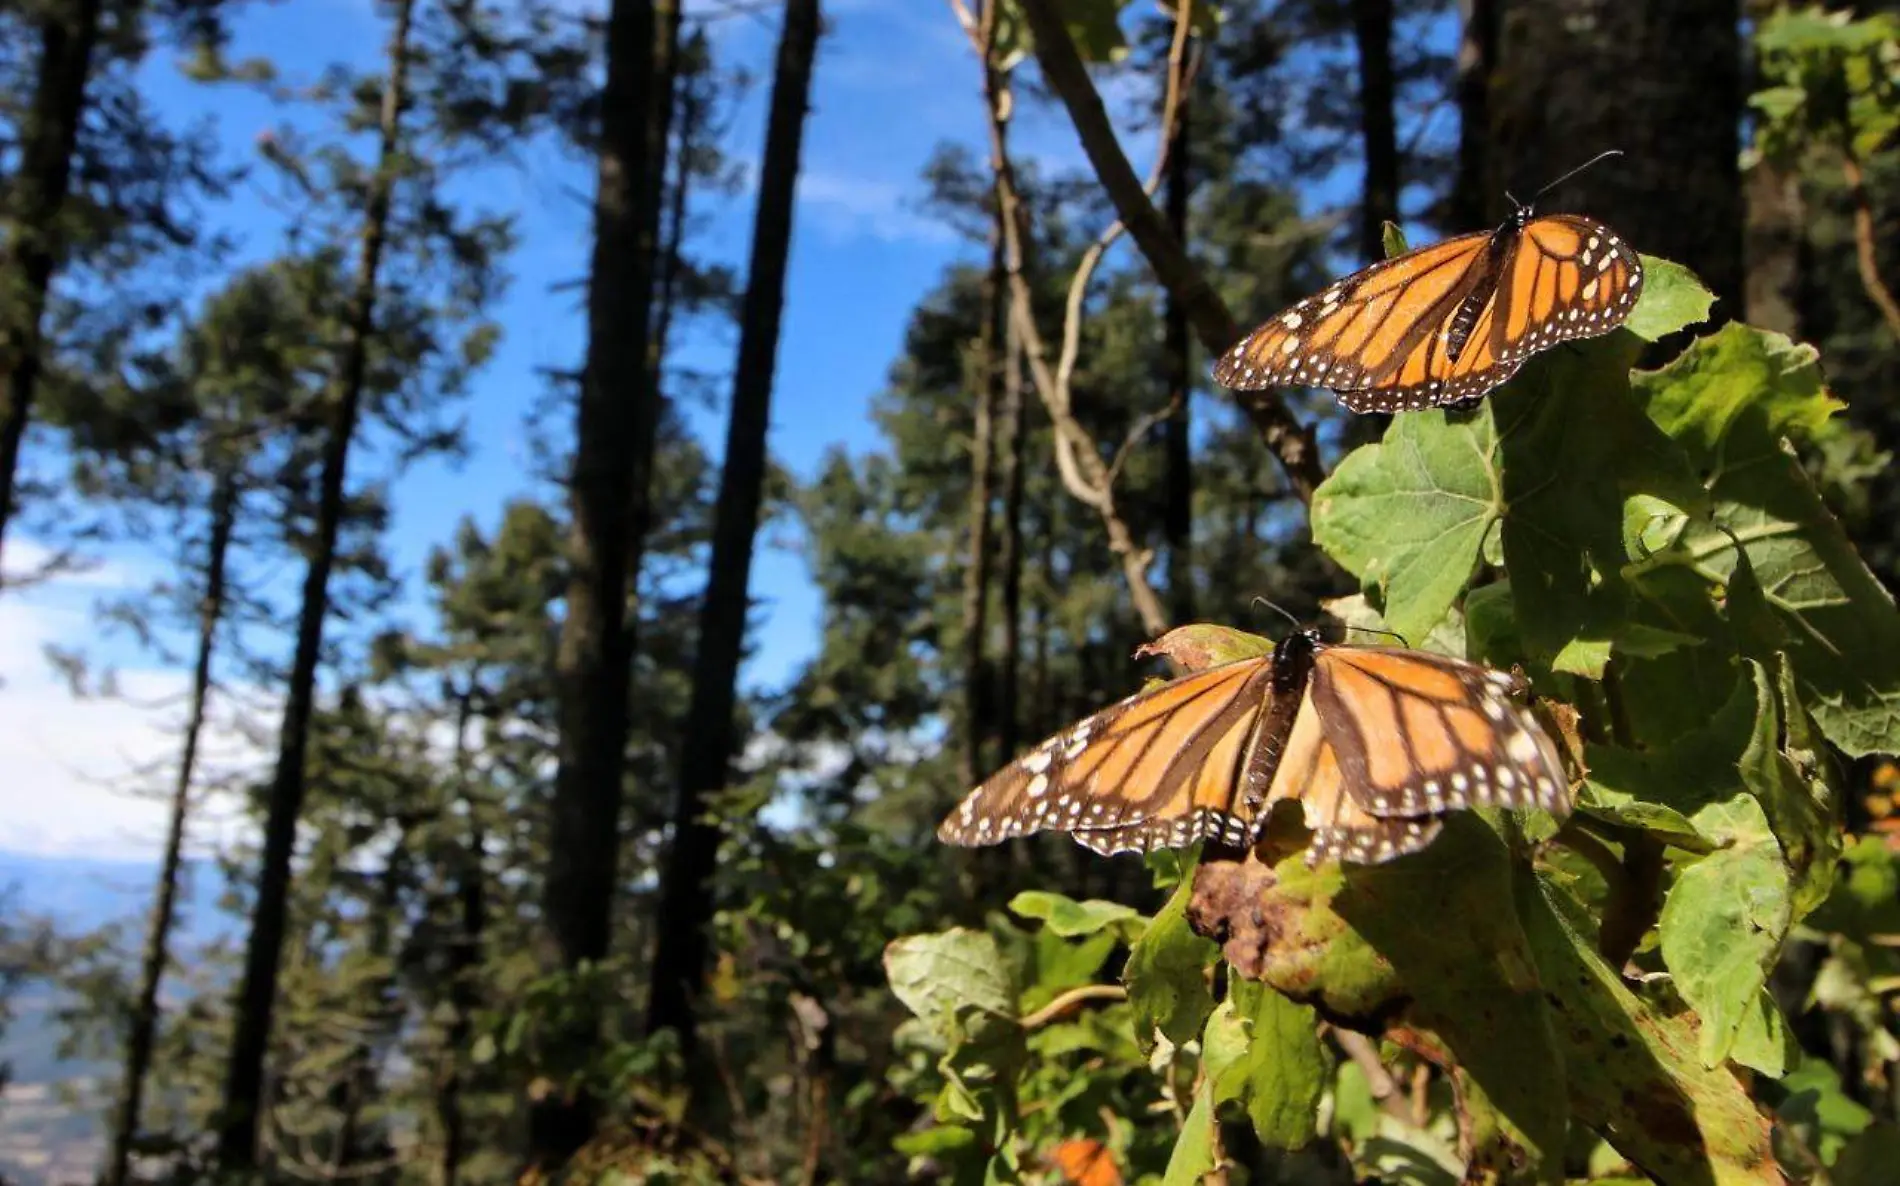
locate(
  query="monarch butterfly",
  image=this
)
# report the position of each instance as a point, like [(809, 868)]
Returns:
[(1376, 743), (1445, 324)]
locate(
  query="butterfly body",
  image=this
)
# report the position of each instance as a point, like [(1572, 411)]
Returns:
[(1446, 323), (1376, 743)]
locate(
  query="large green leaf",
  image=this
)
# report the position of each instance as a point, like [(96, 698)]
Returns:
[(1555, 456), (1729, 401), (1631, 1067), (1283, 1073), (1166, 975), (955, 981), (1408, 515)]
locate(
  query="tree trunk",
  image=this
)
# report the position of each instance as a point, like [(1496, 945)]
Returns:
[(1010, 555), (48, 137), (464, 959), (1178, 496), (257, 992), (686, 889), (616, 423), (1777, 237), (1662, 82), (669, 201), (1476, 190), (143, 1027), (1372, 33), (987, 372)]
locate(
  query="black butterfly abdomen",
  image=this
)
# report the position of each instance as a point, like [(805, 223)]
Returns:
[(1497, 257)]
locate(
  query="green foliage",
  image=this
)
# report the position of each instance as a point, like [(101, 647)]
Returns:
[(1653, 550), (1832, 80)]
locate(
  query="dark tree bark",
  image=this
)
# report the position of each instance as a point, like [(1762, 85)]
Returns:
[(1477, 192), (686, 889), (142, 1031), (1662, 82), (986, 371), (1177, 516), (669, 200), (1378, 127), (257, 991), (1776, 238), (616, 423), (30, 254), (1009, 725)]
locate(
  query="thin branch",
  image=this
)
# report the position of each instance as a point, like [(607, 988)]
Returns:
[(1385, 1089), (1290, 442), (1072, 1000), (1078, 457), (1864, 252)]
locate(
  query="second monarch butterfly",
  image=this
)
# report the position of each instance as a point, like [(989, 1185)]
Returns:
[(1444, 324), (1375, 743)]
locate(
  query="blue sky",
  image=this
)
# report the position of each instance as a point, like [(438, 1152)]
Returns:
[(894, 79)]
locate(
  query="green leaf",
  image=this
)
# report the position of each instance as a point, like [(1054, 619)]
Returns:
[(955, 982), (1166, 975), (1204, 645), (1673, 299), (1193, 1155), (1814, 1101), (1359, 618), (1393, 239), (1283, 1072), (1763, 1042), (1072, 919), (1574, 450), (1407, 515), (1729, 401), (1629, 1067), (1722, 927)]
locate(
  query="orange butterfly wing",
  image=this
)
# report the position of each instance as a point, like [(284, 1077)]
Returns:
[(1160, 769), (1389, 338), (1422, 734), (1087, 1162)]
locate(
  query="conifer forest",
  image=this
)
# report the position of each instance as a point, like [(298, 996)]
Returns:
[(1178, 592)]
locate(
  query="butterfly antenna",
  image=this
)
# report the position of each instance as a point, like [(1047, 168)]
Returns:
[(1387, 633), (1297, 624), (1580, 168)]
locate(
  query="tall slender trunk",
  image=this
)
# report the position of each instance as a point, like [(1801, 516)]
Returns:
[(669, 199), (686, 890), (1476, 189), (257, 992), (1663, 83), (1010, 555), (978, 690), (142, 1030), (1372, 33), (1178, 497), (616, 423), (48, 137), (464, 958)]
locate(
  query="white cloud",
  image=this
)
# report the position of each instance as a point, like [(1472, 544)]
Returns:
[(848, 207), (77, 775)]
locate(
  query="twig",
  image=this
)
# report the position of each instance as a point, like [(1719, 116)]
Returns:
[(1078, 457), (1864, 253), (1143, 425), (1290, 442), (1072, 1000), (1385, 1089)]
